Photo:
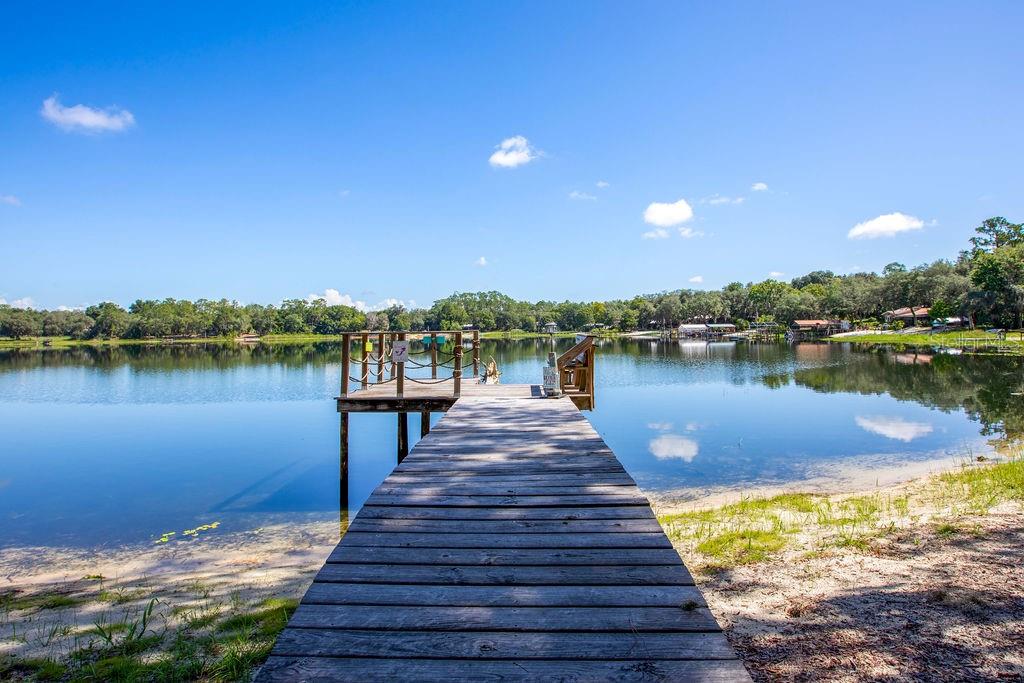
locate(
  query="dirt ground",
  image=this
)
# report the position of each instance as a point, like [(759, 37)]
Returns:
[(921, 604)]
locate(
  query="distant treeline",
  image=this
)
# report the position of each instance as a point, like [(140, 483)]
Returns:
[(984, 283)]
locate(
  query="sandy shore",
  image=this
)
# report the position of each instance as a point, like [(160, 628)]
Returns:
[(862, 476), (214, 576), (917, 578), (921, 590)]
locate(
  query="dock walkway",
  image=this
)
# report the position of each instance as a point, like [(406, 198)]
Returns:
[(510, 544)]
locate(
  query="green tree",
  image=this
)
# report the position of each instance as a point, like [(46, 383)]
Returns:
[(111, 320), (996, 232)]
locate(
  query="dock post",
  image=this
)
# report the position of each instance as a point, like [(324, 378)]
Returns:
[(457, 373), (401, 371), (424, 423), (391, 370), (403, 436), (366, 361), (380, 357), (433, 356), (343, 473), (476, 353), (346, 358)]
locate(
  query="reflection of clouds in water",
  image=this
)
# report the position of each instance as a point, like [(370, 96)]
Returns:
[(673, 447), (893, 427)]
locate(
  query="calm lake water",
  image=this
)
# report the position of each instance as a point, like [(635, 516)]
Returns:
[(120, 445)]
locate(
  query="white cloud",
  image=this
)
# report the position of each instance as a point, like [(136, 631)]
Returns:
[(389, 302), (82, 118), (776, 273), (512, 152), (480, 262), (10, 200), (583, 196), (886, 225), (696, 279), (603, 184), (333, 297), (344, 193), (759, 187), (24, 302), (689, 233), (660, 426), (666, 215), (893, 427), (673, 447), (71, 308), (718, 200), (656, 234)]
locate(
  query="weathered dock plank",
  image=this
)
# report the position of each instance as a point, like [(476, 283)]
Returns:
[(510, 544)]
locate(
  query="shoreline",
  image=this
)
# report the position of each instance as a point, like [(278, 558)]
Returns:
[(199, 589), (828, 480)]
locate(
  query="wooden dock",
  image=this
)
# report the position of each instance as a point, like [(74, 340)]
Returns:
[(509, 544)]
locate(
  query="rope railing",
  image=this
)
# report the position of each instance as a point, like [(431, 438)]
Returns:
[(367, 378)]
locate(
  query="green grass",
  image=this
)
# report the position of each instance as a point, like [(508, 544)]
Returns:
[(40, 669), (742, 547), (979, 488), (754, 529), (67, 342), (523, 334), (204, 646), (1014, 340), (269, 618), (38, 601), (746, 508)]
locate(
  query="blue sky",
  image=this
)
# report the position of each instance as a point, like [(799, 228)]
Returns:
[(268, 151)]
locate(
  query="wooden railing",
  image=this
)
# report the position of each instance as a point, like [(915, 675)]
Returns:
[(375, 355), (576, 373)]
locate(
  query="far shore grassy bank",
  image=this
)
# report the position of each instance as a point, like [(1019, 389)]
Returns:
[(967, 340), (68, 342)]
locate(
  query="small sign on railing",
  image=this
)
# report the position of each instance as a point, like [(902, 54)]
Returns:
[(399, 351)]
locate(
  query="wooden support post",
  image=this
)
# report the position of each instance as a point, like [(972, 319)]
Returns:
[(403, 436), (433, 356), (401, 379), (365, 378), (424, 423), (457, 373), (391, 370), (346, 358), (343, 474), (476, 353), (380, 357)]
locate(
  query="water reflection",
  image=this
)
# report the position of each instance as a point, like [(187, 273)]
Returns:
[(892, 427), (122, 444)]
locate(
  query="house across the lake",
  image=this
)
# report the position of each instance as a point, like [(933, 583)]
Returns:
[(550, 328), (917, 315)]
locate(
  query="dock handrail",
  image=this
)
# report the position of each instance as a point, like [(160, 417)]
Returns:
[(384, 342), (576, 373)]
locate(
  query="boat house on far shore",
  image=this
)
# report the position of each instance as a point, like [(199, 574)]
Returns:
[(705, 330)]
